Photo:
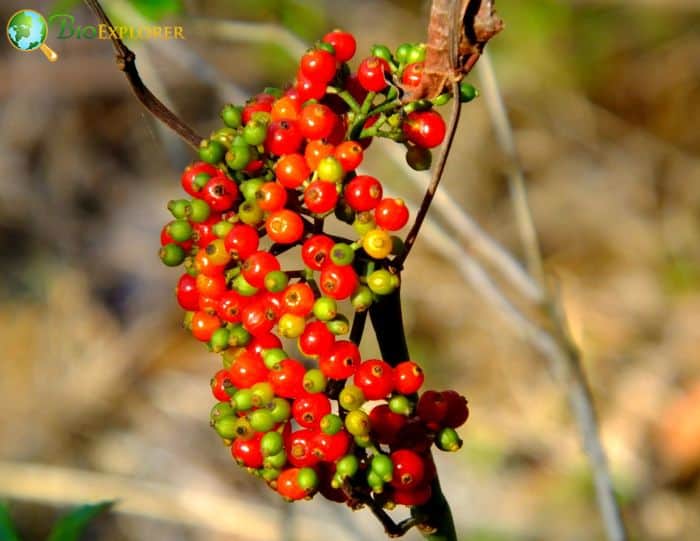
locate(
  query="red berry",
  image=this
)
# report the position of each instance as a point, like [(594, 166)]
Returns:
[(288, 379), (258, 318), (203, 325), (341, 361), (349, 154), (424, 128), (371, 74), (330, 448), (247, 370), (316, 251), (291, 170), (310, 89), (385, 424), (416, 496), (299, 448), (260, 103), (288, 485), (343, 43), (409, 469), (220, 383), (230, 306), (363, 193), (318, 65), (257, 265), (308, 410), (375, 378), (315, 151), (338, 281), (220, 193), (271, 196), (316, 339), (408, 377), (242, 241), (186, 292), (412, 75), (203, 232), (283, 137), (321, 196), (195, 177), (247, 452), (317, 121), (284, 226), (285, 108), (432, 408), (391, 214), (298, 299), (263, 341)]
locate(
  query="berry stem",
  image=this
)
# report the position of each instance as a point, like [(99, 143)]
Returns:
[(346, 97), (434, 518), (126, 61)]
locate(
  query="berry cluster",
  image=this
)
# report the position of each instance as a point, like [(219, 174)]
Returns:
[(264, 185)]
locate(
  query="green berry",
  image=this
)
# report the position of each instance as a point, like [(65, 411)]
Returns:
[(276, 281), (331, 424), (375, 482), (314, 381), (178, 208), (263, 393), (249, 188), (342, 254), (325, 308), (351, 397), (416, 54), (467, 92), (273, 357), (261, 420), (238, 157), (243, 287), (243, 399), (363, 441), (419, 158), (171, 254), (447, 439), (307, 479), (238, 336), (382, 282), (201, 179), (401, 404), (271, 443), (364, 223), (211, 151), (270, 474), (226, 427), (277, 460), (255, 133), (383, 467), (250, 213), (347, 466), (197, 210), (402, 52), (362, 299), (222, 228), (382, 51), (326, 47), (224, 136), (280, 409), (357, 423), (339, 325), (221, 410), (243, 429), (180, 230), (232, 116), (219, 340)]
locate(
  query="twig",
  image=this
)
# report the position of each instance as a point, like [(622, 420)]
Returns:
[(126, 61), (558, 346)]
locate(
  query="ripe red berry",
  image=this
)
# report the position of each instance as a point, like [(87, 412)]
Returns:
[(391, 214), (284, 226), (416, 496), (299, 448), (375, 378), (318, 65), (408, 377), (186, 292), (287, 379), (242, 241), (291, 170), (271, 196), (203, 325), (285, 108), (349, 154), (338, 281), (316, 251), (203, 232), (230, 306), (315, 151), (330, 448), (385, 424), (257, 265), (310, 89), (260, 103), (316, 339), (412, 75), (247, 452), (341, 361), (220, 383), (283, 137), (363, 193), (317, 121), (288, 485), (321, 196), (263, 341), (196, 176), (298, 299), (432, 408), (220, 193), (247, 370), (371, 74), (343, 43), (409, 469), (308, 410), (258, 318), (424, 128)]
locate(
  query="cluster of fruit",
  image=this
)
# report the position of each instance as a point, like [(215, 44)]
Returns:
[(265, 184)]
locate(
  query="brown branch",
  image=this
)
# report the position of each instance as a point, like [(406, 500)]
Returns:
[(126, 61)]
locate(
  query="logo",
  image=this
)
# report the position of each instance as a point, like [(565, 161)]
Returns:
[(27, 30)]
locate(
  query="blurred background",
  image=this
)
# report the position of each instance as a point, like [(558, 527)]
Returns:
[(103, 395)]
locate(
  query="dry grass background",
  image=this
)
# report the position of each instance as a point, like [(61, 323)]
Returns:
[(96, 376)]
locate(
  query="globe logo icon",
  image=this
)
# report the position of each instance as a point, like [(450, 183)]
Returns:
[(27, 30)]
